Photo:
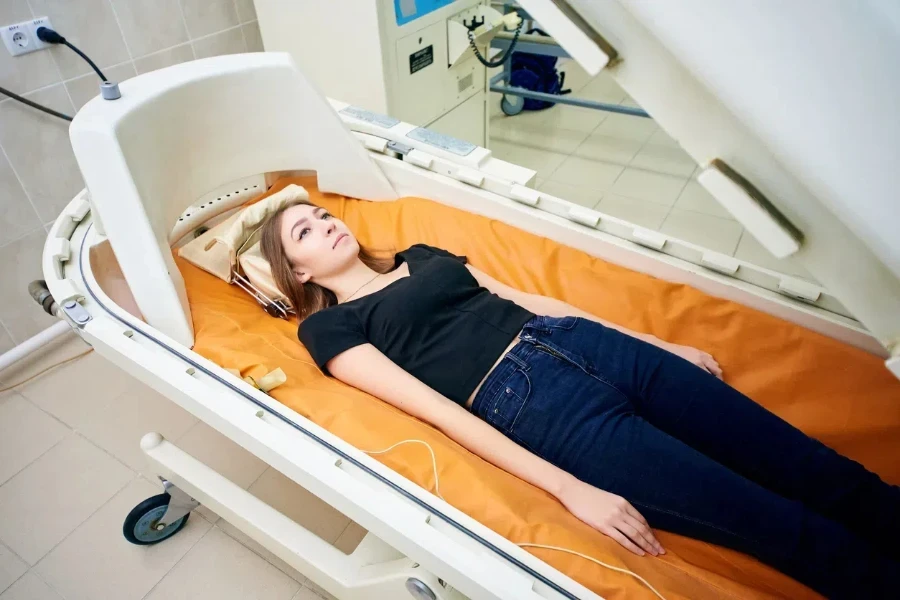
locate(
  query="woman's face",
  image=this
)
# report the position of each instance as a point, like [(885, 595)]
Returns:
[(317, 244)]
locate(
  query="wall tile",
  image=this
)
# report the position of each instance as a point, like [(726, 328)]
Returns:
[(26, 73), (227, 42), (253, 37), (6, 342), (204, 17), (17, 216), (246, 10), (38, 148), (166, 58), (21, 262), (82, 89), (150, 25), (88, 24)]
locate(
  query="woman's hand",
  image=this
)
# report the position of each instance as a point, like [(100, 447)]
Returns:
[(611, 515), (702, 359)]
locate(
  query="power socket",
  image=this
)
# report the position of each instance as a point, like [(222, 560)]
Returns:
[(22, 38)]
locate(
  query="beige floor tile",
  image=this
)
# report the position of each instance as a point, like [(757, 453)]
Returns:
[(694, 198), (587, 173), (650, 186), (285, 496), (26, 432), (584, 196), (627, 127), (48, 499), (609, 149), (96, 562), (214, 449), (602, 88), (524, 118), (661, 138), (541, 137), (573, 117), (311, 591), (75, 393), (11, 567), (714, 233), (575, 77), (119, 427), (640, 212), (350, 538), (261, 551), (543, 162), (62, 348), (664, 159), (219, 567), (30, 587), (752, 251)]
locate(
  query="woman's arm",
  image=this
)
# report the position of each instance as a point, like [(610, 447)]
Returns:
[(551, 307), (366, 368)]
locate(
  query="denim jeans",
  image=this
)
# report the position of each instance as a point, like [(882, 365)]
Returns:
[(695, 456)]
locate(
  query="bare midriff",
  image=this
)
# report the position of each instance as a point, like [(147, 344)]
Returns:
[(491, 370)]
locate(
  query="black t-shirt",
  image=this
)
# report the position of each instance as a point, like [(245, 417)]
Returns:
[(437, 324)]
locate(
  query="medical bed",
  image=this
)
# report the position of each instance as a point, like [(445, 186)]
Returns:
[(186, 146)]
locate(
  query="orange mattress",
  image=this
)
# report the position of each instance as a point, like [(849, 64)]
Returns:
[(834, 392)]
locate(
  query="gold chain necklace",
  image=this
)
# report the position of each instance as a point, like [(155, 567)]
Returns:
[(362, 286)]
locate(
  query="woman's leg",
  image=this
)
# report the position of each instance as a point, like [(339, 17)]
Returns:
[(589, 428), (714, 418)]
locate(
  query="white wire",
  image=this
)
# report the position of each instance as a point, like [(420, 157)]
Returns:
[(522, 544), (594, 560), (437, 489)]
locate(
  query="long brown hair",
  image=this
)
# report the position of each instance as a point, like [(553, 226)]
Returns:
[(306, 298)]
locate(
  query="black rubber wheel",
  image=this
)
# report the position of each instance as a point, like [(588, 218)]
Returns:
[(512, 105), (140, 524)]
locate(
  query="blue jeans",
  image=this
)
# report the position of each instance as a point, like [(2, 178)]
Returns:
[(695, 456)]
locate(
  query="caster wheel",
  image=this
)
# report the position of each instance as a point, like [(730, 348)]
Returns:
[(140, 524), (512, 105)]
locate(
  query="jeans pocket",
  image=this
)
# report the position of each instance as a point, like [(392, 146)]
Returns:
[(560, 322), (509, 401)]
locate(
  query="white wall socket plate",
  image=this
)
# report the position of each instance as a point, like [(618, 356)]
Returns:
[(21, 38)]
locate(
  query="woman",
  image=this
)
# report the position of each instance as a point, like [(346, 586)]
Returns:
[(625, 429)]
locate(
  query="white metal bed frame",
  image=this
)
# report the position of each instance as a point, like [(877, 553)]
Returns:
[(416, 541)]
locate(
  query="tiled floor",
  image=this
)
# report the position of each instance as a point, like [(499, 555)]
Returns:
[(624, 166), (71, 469)]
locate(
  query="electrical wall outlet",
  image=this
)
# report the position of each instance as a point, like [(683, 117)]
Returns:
[(22, 38)]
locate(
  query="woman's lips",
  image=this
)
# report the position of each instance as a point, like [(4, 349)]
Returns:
[(338, 240)]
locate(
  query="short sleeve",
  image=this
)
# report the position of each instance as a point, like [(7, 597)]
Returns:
[(434, 251), (329, 332)]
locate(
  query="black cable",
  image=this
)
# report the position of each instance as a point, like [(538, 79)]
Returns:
[(499, 61), (51, 37), (89, 61), (49, 111)]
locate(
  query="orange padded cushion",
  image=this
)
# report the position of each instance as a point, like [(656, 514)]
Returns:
[(834, 392)]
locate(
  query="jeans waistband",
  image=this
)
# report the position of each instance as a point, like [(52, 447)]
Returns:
[(516, 358)]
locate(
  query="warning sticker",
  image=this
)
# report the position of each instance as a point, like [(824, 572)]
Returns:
[(420, 59)]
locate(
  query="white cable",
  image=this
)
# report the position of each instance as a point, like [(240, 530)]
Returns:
[(437, 489), (522, 544), (594, 560)]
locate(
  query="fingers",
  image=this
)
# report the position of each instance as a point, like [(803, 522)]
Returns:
[(646, 543), (711, 365), (640, 523), (647, 534), (623, 541)]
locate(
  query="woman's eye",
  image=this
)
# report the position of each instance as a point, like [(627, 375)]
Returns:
[(303, 233), (326, 216)]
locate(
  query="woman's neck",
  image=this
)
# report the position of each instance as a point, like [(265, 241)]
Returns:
[(350, 281)]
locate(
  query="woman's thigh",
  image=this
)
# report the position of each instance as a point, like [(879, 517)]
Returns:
[(588, 427)]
